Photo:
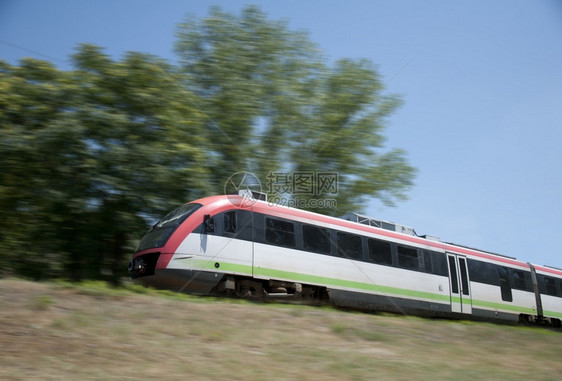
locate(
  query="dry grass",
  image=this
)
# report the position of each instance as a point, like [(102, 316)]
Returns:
[(90, 332)]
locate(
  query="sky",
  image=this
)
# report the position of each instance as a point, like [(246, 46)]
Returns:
[(481, 83)]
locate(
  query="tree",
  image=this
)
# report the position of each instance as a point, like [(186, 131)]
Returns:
[(274, 108), (33, 97), (89, 156), (344, 136)]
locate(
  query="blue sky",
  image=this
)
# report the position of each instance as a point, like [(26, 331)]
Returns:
[(481, 83)]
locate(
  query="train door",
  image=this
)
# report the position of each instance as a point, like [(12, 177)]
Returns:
[(459, 283)]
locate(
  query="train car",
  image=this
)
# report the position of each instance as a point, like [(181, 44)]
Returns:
[(234, 245)]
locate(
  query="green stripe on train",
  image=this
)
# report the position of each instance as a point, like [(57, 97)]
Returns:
[(335, 282), (314, 279), (552, 314), (502, 306)]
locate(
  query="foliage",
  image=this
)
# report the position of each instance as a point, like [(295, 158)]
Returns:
[(273, 105), (90, 157)]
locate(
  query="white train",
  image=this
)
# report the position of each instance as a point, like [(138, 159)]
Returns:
[(229, 245)]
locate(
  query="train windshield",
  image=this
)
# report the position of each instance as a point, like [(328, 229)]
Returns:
[(161, 231)]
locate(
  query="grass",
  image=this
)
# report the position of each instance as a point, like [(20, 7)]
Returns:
[(41, 302), (93, 331)]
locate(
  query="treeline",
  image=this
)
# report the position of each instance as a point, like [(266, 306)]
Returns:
[(89, 157)]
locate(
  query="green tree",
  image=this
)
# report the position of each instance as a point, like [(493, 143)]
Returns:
[(33, 98), (89, 156), (250, 75), (345, 136), (272, 105)]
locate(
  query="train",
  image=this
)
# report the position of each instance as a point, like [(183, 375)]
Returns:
[(248, 247)]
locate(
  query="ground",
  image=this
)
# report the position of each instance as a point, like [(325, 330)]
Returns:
[(91, 331)]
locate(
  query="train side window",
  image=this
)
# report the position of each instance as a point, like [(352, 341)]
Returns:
[(349, 245), (439, 264), (316, 239), (408, 258), (454, 275), (380, 251), (519, 280), (550, 284), (428, 263), (504, 284), (483, 272), (464, 277), (279, 232), (229, 222)]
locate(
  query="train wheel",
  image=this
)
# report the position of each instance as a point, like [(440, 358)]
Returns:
[(249, 289)]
